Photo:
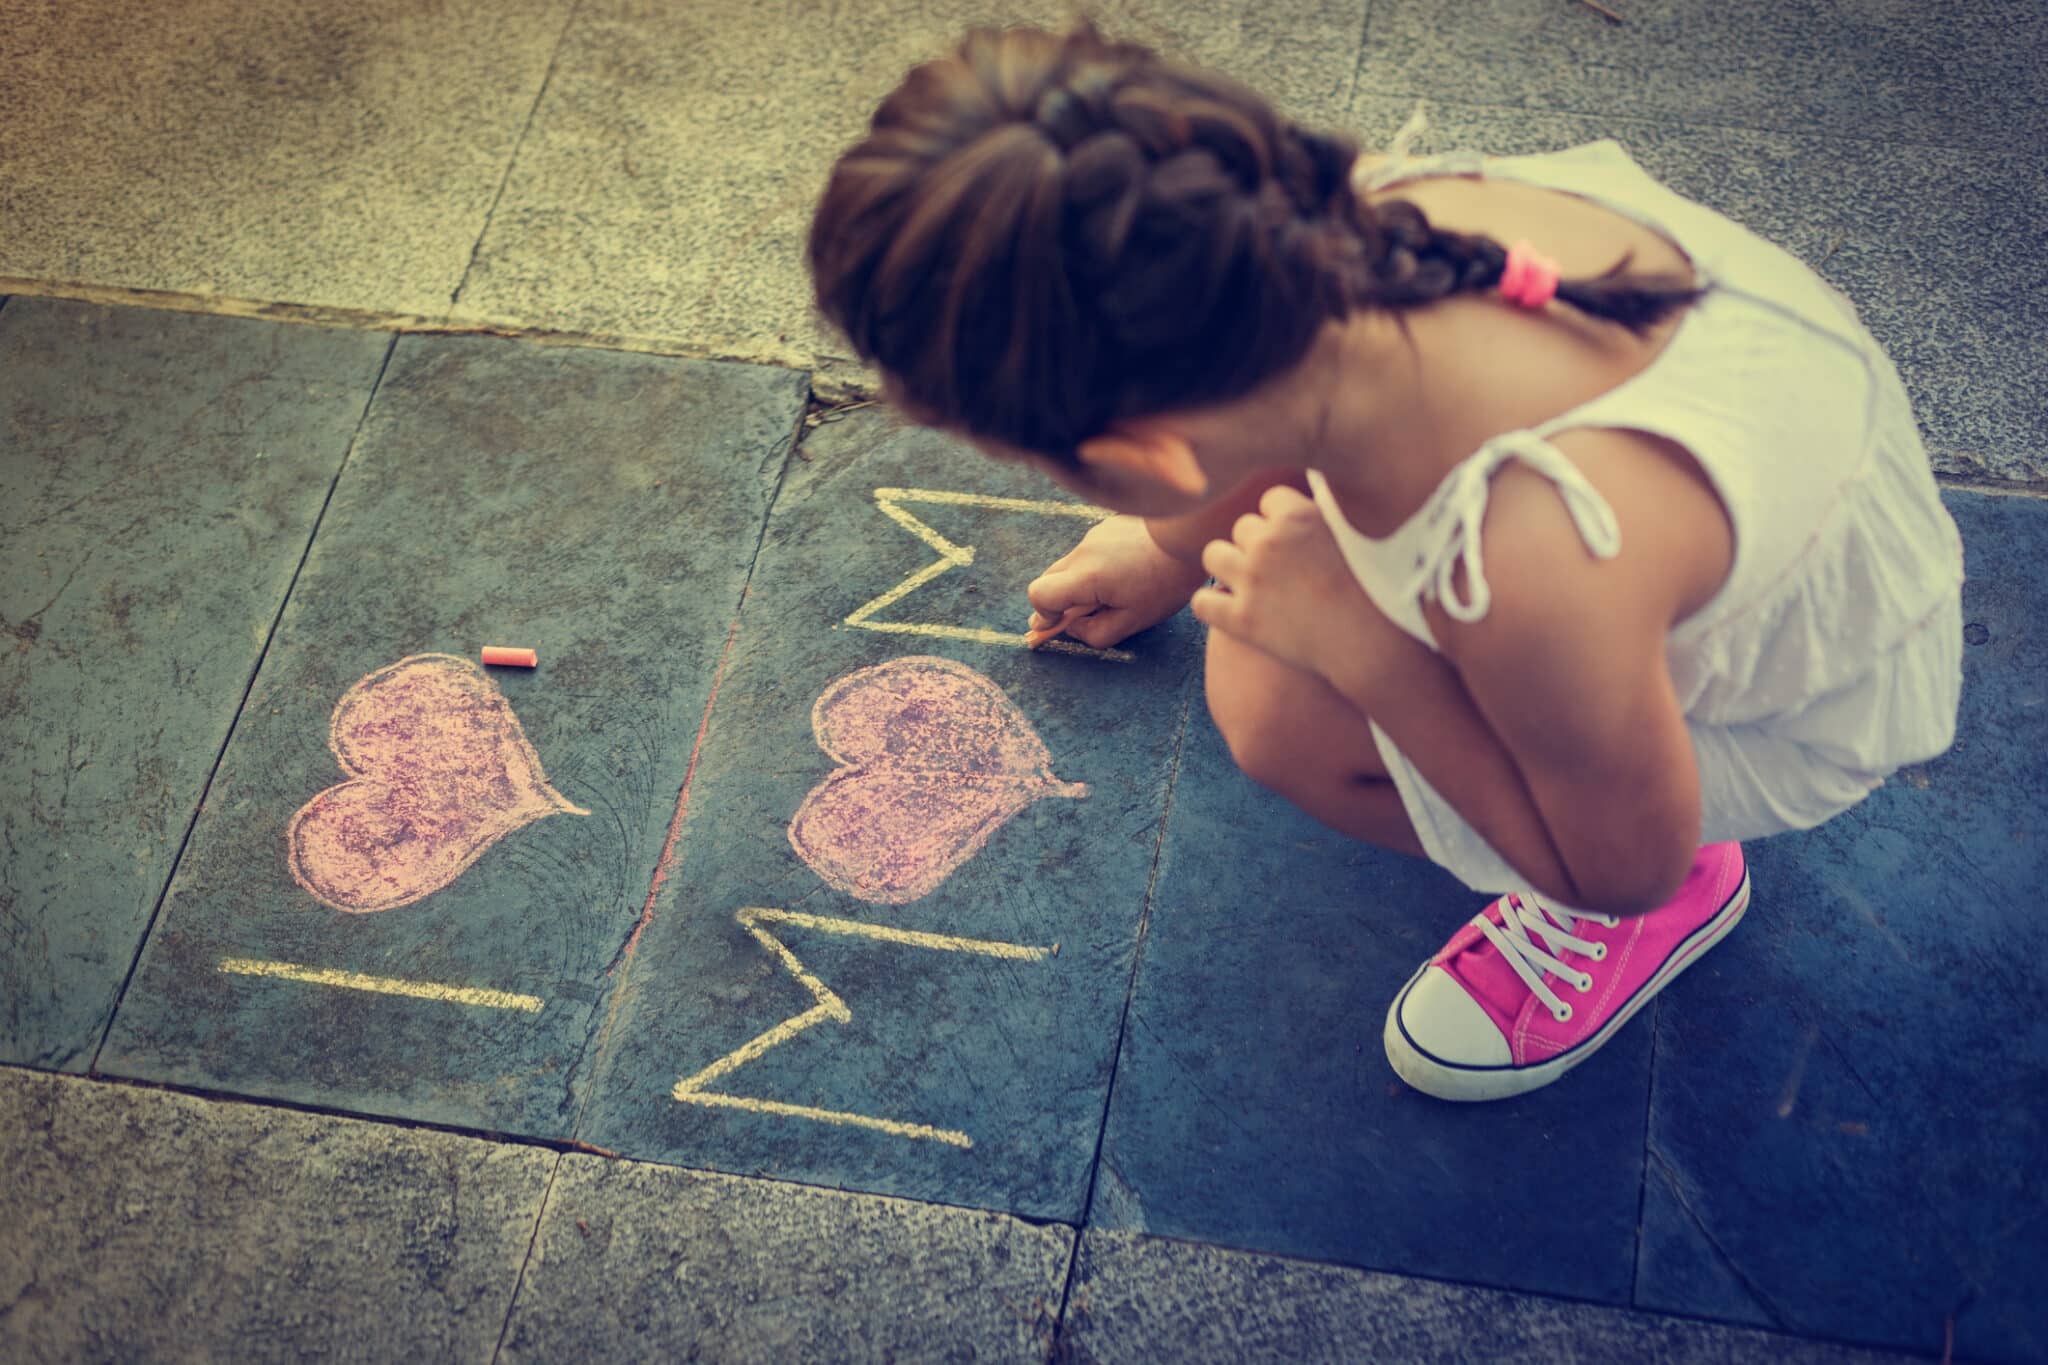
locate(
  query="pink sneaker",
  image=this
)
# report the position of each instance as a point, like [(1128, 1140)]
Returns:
[(1527, 991)]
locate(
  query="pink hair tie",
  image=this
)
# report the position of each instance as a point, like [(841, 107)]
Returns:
[(1528, 280)]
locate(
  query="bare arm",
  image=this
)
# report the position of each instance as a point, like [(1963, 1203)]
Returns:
[(1565, 678), (1551, 723), (1422, 704)]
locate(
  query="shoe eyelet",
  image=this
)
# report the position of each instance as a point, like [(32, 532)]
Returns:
[(1599, 953), (1563, 1014), (1583, 984)]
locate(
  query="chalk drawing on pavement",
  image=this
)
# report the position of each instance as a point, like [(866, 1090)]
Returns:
[(891, 501), (828, 1005), (439, 769), (933, 760)]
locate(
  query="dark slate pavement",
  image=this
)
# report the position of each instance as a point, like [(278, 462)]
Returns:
[(1849, 1120), (1845, 1103), (598, 506), (1014, 1055), (1809, 1134), (1254, 1106), (160, 474)]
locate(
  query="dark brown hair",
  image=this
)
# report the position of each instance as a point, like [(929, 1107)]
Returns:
[(1044, 233)]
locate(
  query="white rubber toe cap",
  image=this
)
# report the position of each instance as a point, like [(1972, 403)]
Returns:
[(1447, 1024)]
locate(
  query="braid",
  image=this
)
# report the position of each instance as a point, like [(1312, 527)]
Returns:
[(1416, 263)]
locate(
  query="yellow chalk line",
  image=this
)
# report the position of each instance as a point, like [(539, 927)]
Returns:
[(982, 635), (690, 1089), (944, 943), (947, 498), (893, 510), (384, 985), (950, 1136), (896, 594), (890, 501)]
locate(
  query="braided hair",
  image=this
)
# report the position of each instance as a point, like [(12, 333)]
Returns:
[(1043, 233)]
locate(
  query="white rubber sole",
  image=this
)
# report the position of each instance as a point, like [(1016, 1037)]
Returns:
[(1446, 1081)]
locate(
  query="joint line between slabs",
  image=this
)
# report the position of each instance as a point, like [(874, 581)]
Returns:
[(248, 687), (1130, 994), (512, 160)]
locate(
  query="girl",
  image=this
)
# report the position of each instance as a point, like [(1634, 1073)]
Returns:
[(1567, 564)]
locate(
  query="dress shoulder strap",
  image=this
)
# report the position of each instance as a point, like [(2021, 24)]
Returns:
[(1398, 163), (1456, 514)]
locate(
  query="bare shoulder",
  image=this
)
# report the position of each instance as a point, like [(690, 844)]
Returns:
[(1676, 544)]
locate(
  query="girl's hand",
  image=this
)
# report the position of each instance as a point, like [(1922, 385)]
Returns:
[(1118, 577), (1282, 586)]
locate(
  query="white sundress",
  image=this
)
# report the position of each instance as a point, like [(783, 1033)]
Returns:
[(1832, 656)]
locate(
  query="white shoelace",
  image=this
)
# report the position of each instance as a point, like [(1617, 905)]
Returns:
[(1524, 914)]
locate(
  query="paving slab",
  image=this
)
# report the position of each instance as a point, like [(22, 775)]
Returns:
[(1934, 245), (1138, 1298), (1254, 1106), (1881, 72), (149, 1225), (1849, 1127), (667, 182), (344, 155), (411, 879), (161, 476), (924, 1000), (636, 1262)]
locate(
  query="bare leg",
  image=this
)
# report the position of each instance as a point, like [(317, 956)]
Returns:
[(1292, 733)]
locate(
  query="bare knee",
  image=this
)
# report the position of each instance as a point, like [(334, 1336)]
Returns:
[(1258, 741), (1287, 730)]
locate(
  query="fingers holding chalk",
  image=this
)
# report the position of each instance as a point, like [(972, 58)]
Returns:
[(498, 656), (1039, 635)]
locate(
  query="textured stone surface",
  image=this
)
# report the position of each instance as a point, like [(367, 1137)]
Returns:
[(344, 155), (1893, 73), (1849, 1128), (1147, 1299), (1254, 1105), (602, 508), (640, 1262), (1010, 1053), (1934, 245), (160, 475), (667, 183), (145, 1225)]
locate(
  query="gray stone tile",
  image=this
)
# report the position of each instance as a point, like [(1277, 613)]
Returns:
[(147, 1225), (667, 183), (1937, 247), (1254, 1106), (1145, 1299), (964, 1039), (641, 1262), (1963, 76), (602, 508), (1849, 1122), (160, 474), (344, 154)]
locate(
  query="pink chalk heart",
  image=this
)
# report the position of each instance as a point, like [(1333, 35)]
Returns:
[(439, 771), (933, 759)]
